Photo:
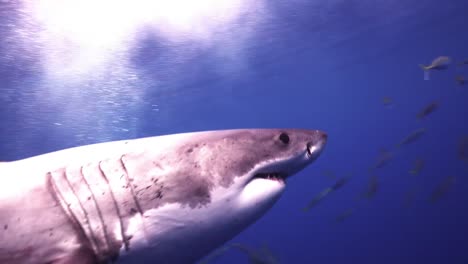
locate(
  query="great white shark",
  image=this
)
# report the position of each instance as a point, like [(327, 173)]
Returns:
[(166, 200)]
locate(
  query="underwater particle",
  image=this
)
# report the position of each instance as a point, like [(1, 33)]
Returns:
[(463, 148), (412, 137), (460, 79), (344, 215), (428, 109), (417, 166), (319, 197), (442, 189), (382, 159), (263, 255), (439, 63)]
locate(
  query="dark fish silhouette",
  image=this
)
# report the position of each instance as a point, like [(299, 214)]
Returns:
[(465, 62), (382, 159), (263, 255), (319, 197), (442, 189), (371, 188), (387, 101), (418, 166), (463, 148), (339, 183), (344, 215), (428, 109), (412, 137), (460, 79), (214, 255)]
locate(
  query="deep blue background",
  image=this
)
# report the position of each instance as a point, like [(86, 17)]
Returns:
[(323, 66)]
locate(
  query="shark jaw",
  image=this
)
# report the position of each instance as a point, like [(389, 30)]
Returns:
[(272, 176), (187, 234)]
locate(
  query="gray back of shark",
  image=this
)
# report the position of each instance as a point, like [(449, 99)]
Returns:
[(167, 199)]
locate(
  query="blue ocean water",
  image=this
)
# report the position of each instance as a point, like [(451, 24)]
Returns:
[(308, 64)]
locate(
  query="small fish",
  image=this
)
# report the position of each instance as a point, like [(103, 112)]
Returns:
[(460, 79), (384, 157), (465, 62), (387, 101), (417, 167), (319, 197), (428, 109), (339, 183), (413, 136), (463, 148), (442, 189), (439, 63), (264, 255), (214, 255), (372, 187), (344, 215)]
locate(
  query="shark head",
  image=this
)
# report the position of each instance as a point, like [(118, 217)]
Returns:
[(216, 184), (252, 166)]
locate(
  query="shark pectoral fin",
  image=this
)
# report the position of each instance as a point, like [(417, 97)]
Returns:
[(79, 256)]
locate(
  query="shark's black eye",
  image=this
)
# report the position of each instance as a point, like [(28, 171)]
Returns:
[(284, 138)]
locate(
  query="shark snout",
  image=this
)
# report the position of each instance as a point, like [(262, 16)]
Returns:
[(322, 136), (316, 144)]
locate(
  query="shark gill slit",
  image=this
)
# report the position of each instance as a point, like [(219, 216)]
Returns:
[(127, 178), (58, 196), (91, 236), (122, 232), (104, 226)]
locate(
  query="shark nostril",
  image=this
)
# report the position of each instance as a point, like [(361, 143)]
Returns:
[(310, 148), (321, 136), (324, 136)]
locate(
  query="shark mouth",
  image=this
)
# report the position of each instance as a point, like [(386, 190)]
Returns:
[(273, 176)]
